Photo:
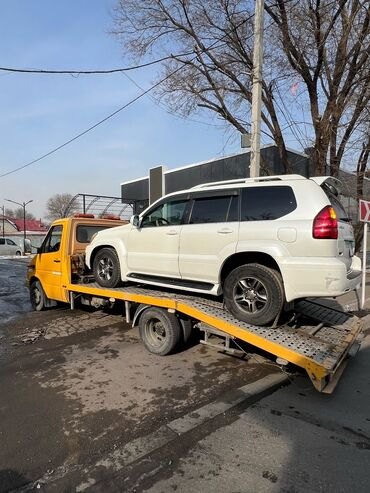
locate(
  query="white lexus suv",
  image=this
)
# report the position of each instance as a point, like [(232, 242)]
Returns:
[(259, 242)]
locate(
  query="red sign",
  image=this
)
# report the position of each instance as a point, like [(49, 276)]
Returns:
[(365, 211)]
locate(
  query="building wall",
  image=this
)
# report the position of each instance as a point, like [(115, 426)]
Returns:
[(235, 167), (8, 227)]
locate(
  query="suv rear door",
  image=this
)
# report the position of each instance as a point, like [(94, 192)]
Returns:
[(346, 239), (210, 235)]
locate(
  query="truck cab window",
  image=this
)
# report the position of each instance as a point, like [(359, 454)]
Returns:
[(53, 239)]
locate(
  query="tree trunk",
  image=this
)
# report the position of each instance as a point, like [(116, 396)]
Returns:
[(361, 167)]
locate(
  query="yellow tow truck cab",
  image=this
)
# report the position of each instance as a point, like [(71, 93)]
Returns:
[(61, 257)]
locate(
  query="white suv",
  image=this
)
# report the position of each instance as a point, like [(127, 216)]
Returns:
[(259, 242)]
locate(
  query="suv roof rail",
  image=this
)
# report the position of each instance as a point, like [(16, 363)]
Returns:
[(250, 180)]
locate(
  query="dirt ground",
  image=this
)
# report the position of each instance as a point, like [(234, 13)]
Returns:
[(77, 386)]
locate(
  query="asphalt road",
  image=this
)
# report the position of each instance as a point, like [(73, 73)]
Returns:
[(84, 407), (77, 386), (13, 292)]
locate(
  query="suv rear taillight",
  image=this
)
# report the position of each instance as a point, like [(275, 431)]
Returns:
[(325, 224)]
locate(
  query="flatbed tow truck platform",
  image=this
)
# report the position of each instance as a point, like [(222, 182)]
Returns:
[(321, 344), (317, 338)]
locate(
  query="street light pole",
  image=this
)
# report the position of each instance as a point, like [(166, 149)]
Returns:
[(23, 205), (257, 90), (3, 220)]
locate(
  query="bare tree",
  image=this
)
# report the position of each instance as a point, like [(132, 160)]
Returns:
[(18, 213), (212, 42), (56, 205), (327, 44), (362, 166), (322, 45)]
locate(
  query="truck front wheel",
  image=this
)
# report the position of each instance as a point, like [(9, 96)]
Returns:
[(37, 296), (106, 268)]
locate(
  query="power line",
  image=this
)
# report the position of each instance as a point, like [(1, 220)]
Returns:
[(132, 101), (165, 107), (93, 72), (116, 70), (100, 122)]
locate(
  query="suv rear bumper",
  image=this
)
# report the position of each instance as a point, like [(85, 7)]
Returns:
[(317, 277)]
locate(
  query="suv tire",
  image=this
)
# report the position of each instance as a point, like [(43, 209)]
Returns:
[(106, 268), (254, 294)]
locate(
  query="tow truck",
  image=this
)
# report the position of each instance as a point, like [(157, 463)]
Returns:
[(315, 337)]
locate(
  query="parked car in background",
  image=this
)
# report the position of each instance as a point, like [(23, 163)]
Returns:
[(258, 242), (9, 247)]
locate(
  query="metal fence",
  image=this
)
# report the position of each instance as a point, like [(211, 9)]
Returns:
[(99, 205)]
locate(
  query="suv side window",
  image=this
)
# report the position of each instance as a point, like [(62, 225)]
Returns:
[(53, 239), (10, 242), (166, 214), (267, 203), (2, 241), (210, 210)]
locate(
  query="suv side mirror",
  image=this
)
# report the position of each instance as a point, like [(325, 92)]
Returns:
[(39, 250), (135, 220)]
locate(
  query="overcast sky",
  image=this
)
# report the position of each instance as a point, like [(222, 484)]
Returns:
[(40, 112)]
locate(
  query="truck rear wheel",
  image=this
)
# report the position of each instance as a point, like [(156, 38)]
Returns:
[(37, 296), (160, 331), (106, 268)]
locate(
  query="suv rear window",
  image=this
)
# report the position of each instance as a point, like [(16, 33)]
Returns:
[(267, 203), (338, 207)]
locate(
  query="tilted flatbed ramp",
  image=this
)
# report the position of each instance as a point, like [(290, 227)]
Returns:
[(322, 349)]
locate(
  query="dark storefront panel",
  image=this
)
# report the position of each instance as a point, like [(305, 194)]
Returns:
[(222, 169), (136, 190), (227, 168)]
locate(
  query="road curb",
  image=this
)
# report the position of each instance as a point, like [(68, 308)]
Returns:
[(145, 445), (365, 324), (226, 402)]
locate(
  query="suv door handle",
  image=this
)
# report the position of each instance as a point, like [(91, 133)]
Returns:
[(172, 232), (225, 231), (57, 261)]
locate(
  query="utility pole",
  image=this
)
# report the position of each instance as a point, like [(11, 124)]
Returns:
[(23, 205), (3, 220), (257, 89)]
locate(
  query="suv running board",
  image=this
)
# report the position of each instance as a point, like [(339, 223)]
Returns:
[(206, 286)]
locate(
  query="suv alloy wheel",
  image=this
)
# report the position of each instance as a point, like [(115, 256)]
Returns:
[(106, 268), (254, 294)]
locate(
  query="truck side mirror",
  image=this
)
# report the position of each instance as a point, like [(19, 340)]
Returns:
[(135, 220)]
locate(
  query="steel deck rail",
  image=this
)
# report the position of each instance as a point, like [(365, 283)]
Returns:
[(321, 350)]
